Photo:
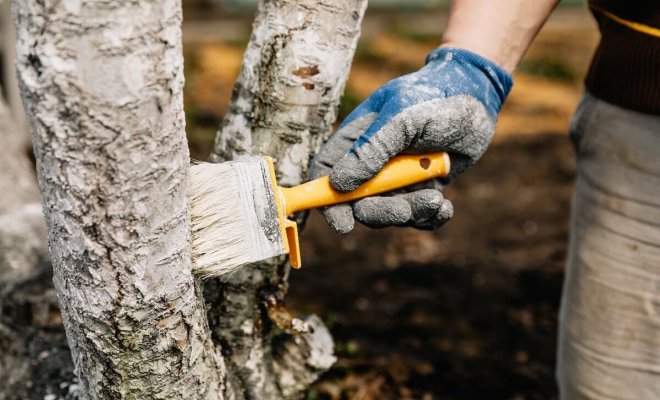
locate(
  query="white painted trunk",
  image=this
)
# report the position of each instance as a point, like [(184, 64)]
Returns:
[(294, 71), (102, 83), (284, 104)]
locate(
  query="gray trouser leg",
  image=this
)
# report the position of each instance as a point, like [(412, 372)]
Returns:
[(609, 337)]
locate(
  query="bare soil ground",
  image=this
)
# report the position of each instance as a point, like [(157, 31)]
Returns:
[(467, 312)]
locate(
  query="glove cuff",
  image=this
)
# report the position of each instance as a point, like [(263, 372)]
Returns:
[(502, 81)]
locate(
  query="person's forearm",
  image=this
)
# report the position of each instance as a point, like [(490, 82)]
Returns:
[(499, 30)]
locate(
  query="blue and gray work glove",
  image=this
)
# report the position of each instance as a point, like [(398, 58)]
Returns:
[(451, 105)]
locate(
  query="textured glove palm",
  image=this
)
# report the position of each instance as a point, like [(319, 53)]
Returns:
[(451, 104)]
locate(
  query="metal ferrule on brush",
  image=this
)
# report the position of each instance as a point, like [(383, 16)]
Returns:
[(238, 213)]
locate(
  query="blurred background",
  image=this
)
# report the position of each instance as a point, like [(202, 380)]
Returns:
[(470, 311)]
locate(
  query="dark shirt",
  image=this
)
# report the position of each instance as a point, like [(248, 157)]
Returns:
[(626, 67)]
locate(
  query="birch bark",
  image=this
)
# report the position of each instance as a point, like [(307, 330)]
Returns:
[(102, 84), (284, 104)]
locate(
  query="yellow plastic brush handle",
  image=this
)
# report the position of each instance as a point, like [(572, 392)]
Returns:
[(400, 171)]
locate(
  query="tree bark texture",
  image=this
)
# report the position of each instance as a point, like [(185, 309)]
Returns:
[(102, 83), (27, 299), (284, 104)]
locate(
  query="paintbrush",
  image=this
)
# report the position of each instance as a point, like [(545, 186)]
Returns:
[(238, 213)]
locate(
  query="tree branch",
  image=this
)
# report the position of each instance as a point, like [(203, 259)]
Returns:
[(284, 104)]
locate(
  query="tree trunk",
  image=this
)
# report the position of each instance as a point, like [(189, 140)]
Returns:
[(284, 104), (102, 83)]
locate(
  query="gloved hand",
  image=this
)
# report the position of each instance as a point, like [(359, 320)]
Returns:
[(451, 104)]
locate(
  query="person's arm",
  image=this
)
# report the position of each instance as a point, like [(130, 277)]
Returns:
[(500, 31), (451, 104)]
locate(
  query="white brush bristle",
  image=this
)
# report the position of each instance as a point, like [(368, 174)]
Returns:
[(220, 242), (233, 216)]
